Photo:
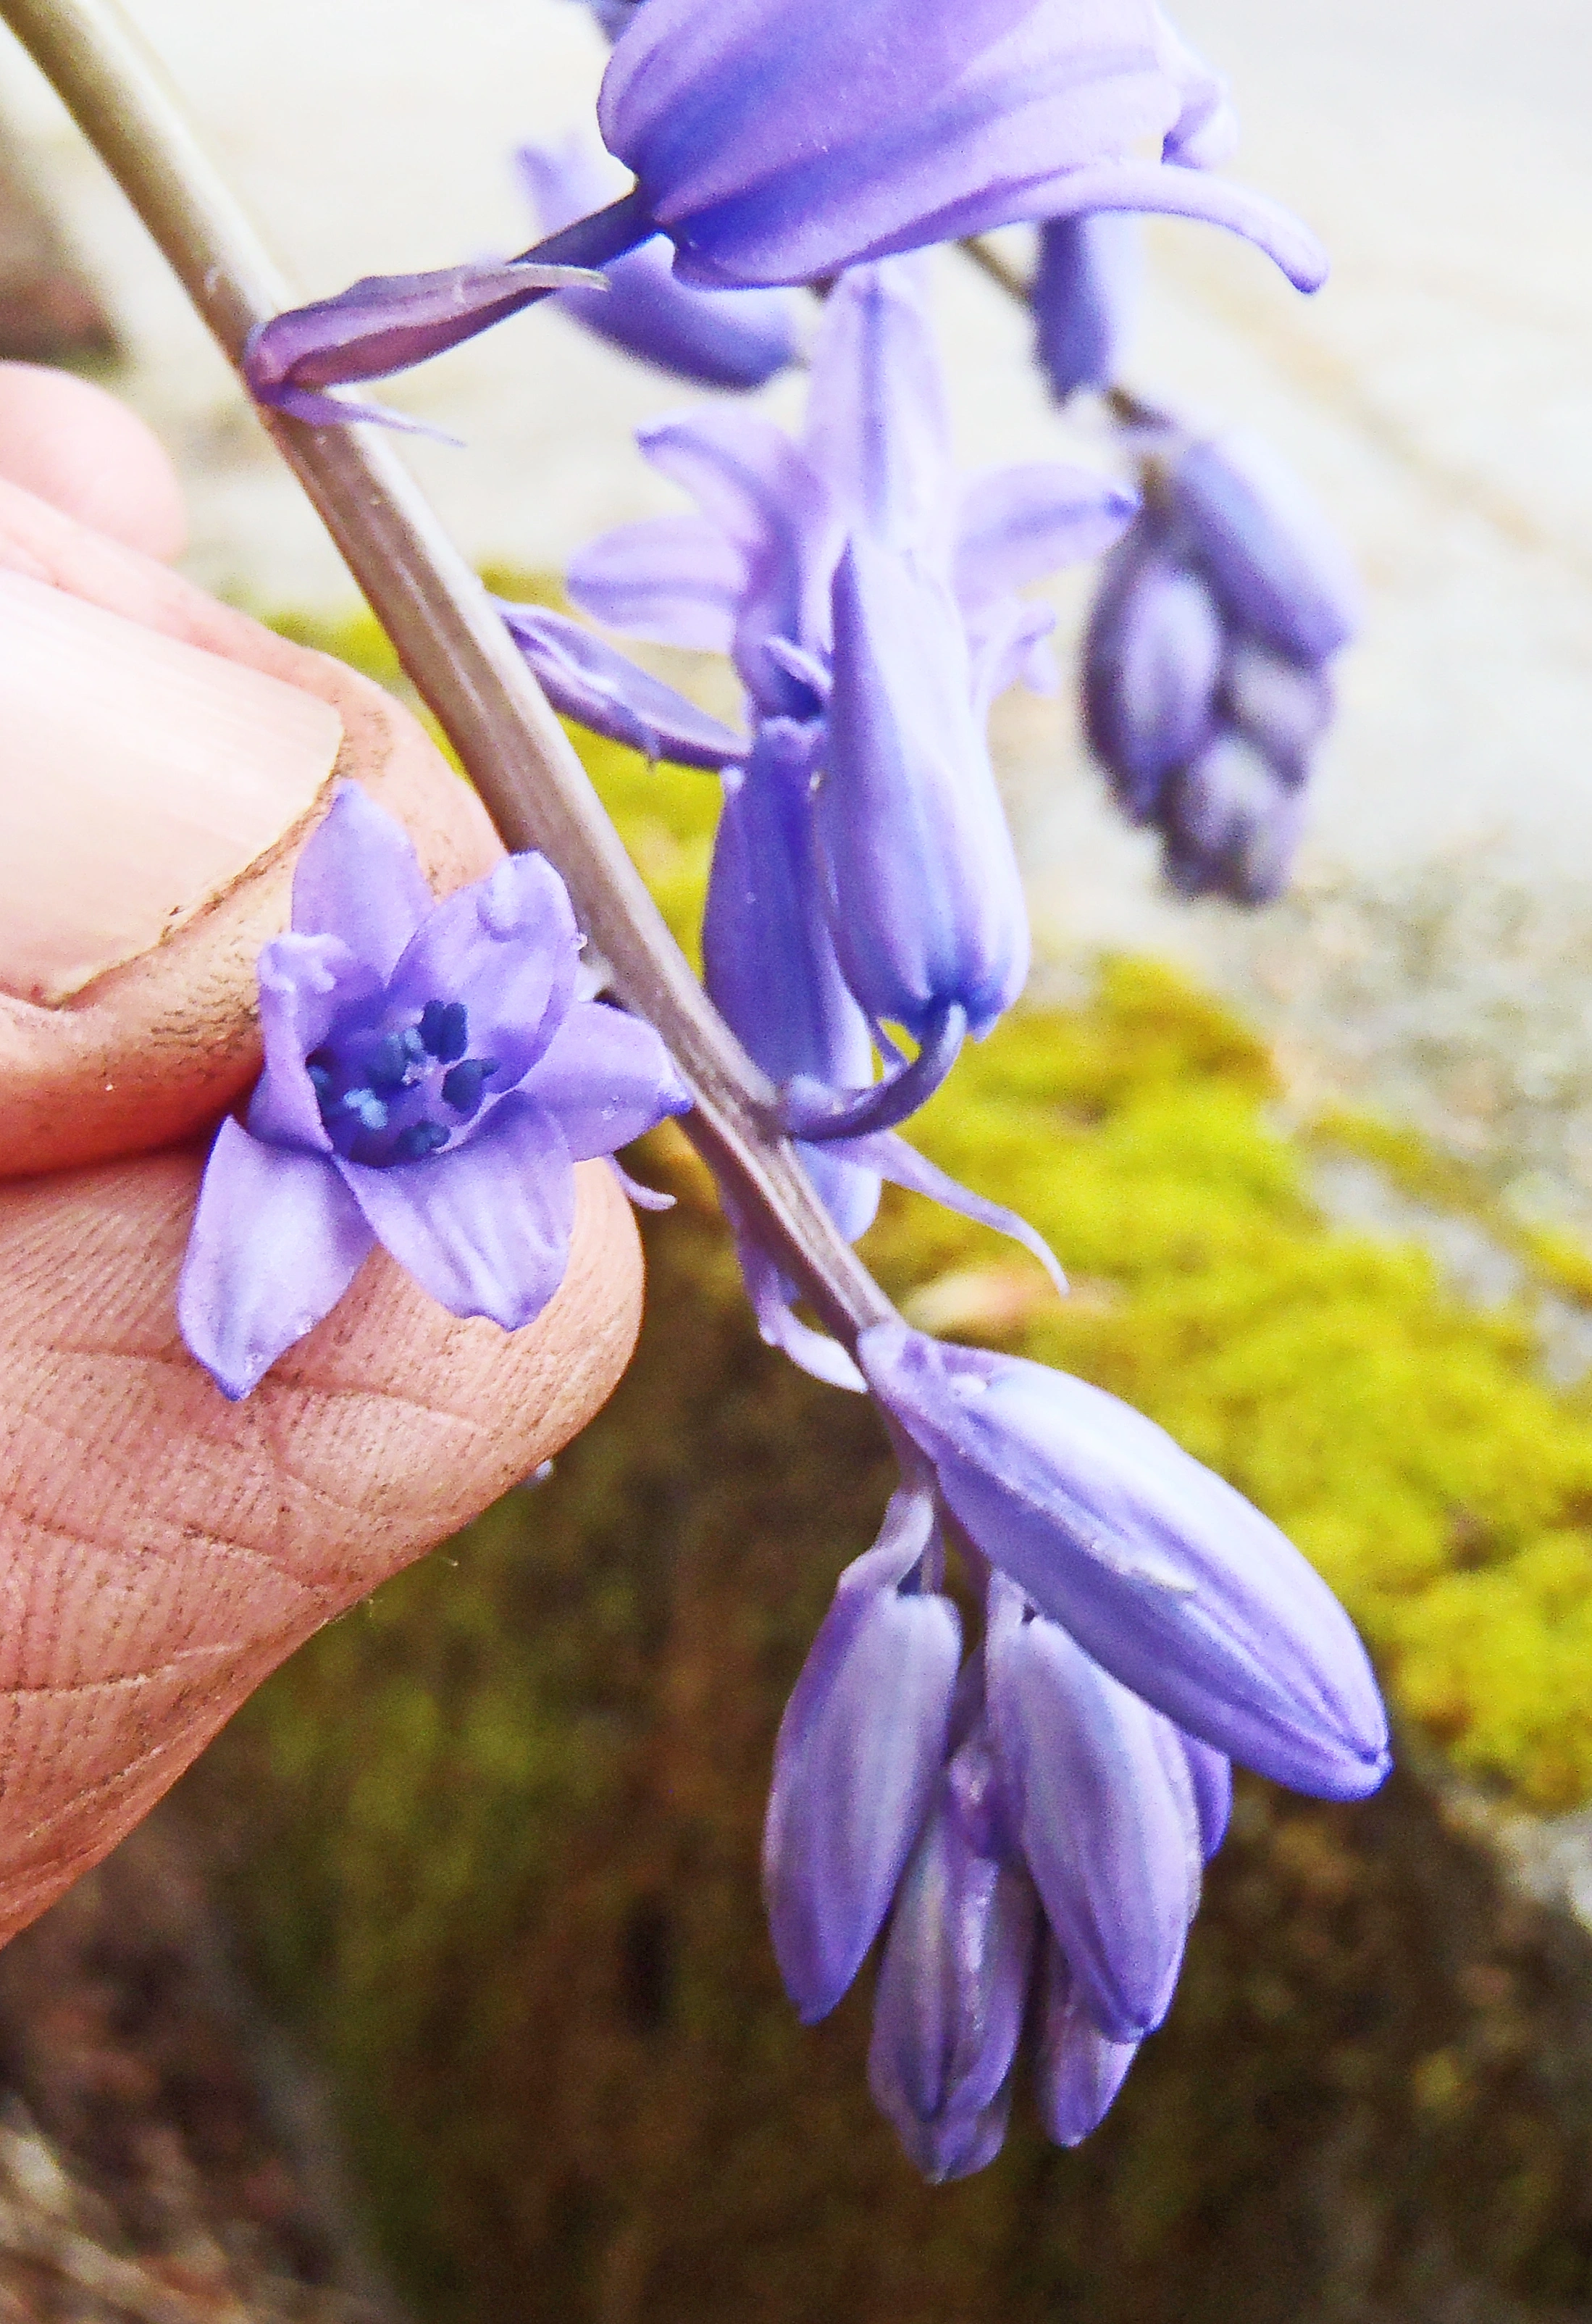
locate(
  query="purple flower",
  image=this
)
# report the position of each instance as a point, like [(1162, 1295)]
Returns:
[(718, 339), (429, 1082), (779, 141), (1171, 1582), (953, 1983), (585, 679), (859, 1754), (1084, 293), (1205, 680), (1152, 665), (1102, 1804), (1079, 2070)]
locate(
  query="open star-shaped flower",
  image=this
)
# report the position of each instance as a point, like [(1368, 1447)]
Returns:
[(431, 1081)]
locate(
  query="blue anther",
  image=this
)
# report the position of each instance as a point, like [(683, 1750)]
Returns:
[(419, 1139), (445, 1029), (388, 1063), (367, 1106), (460, 1085)]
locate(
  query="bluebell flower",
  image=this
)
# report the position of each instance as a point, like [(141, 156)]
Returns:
[(430, 1080), (1078, 2070), (859, 1757), (953, 1984), (782, 141), (1083, 298), (778, 142), (1206, 665), (717, 339), (1170, 1580)]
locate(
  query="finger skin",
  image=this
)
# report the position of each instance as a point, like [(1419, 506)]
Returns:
[(162, 1045), (162, 1550), (83, 451)]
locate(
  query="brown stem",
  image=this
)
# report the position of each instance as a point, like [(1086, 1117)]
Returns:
[(450, 642)]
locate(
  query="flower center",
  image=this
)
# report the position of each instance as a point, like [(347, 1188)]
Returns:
[(396, 1094)]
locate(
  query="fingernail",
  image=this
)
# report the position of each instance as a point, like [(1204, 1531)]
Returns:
[(139, 777)]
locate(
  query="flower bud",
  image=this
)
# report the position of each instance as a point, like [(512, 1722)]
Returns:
[(859, 1751), (1231, 824), (1152, 662), (1160, 1571), (1276, 564), (953, 1984), (1084, 293), (1078, 2072)]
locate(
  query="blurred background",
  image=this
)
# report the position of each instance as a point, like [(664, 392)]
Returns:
[(491, 1850)]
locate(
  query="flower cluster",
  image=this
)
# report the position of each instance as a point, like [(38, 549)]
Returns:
[(1032, 1826), (1205, 670), (1025, 1824)]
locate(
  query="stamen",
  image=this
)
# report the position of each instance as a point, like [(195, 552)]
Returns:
[(460, 1085), (445, 1029), (414, 1048), (367, 1106), (419, 1139), (387, 1067)]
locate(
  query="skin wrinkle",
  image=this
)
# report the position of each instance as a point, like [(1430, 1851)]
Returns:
[(81, 1753)]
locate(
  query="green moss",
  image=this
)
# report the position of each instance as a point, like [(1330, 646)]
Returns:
[(503, 1820)]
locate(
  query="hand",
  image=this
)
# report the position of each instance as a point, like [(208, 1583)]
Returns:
[(162, 1550)]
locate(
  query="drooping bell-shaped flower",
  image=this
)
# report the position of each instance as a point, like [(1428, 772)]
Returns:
[(1083, 298), (1152, 668), (716, 338), (430, 1079), (781, 140), (860, 1752), (929, 917), (953, 1984), (768, 954), (1102, 1804), (1169, 1579)]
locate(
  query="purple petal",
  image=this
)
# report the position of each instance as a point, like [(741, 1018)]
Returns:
[(1018, 524), (606, 1079), (1152, 660), (1211, 1773), (1010, 644), (484, 1226), (926, 897), (360, 879), (1231, 824), (953, 1988), (1206, 128), (386, 323), (1175, 1584), (877, 429), (1106, 1835), (773, 1305), (1272, 557), (590, 680), (276, 1240), (769, 956), (749, 480), (1283, 707), (857, 1760), (904, 1166), (771, 146), (675, 579), (1078, 2070), (336, 408), (506, 947), (1084, 297), (306, 985)]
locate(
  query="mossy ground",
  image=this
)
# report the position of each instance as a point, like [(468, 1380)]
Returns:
[(502, 1821)]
